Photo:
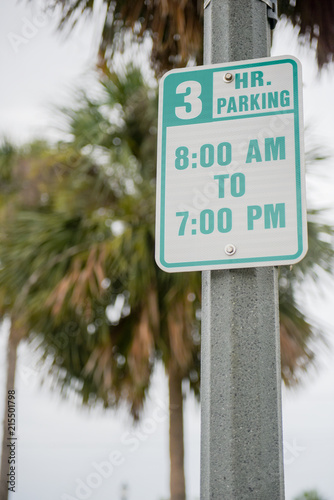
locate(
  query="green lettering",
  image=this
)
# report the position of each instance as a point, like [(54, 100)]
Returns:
[(264, 101), (253, 151), (221, 184), (254, 101), (238, 185), (231, 105), (241, 80), (243, 103), (224, 220), (273, 147), (272, 99), (254, 212), (274, 214), (285, 98), (224, 153), (221, 103), (257, 79)]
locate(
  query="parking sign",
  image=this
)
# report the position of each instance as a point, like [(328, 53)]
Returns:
[(230, 180)]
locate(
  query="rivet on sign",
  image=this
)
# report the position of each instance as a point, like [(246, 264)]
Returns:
[(228, 77), (230, 249)]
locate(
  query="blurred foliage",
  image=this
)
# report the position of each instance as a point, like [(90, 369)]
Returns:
[(77, 254), (77, 251), (310, 495), (314, 23), (176, 28)]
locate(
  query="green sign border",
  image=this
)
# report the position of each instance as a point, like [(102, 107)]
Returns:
[(169, 119)]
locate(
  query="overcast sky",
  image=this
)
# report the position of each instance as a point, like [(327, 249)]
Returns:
[(60, 446)]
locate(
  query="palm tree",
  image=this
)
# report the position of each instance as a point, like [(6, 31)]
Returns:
[(176, 28), (72, 268), (9, 187), (38, 244), (77, 252)]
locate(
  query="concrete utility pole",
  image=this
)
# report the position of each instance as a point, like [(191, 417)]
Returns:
[(241, 455)]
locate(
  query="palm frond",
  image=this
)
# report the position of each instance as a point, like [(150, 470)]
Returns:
[(176, 27), (78, 243), (315, 24)]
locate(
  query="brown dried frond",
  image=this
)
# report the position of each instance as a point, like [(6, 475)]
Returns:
[(99, 365), (81, 283), (315, 22), (295, 355), (139, 358), (175, 26), (179, 335), (153, 310)]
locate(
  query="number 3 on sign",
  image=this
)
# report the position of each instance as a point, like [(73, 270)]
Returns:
[(193, 107)]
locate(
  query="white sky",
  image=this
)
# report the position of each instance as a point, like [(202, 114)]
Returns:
[(58, 442)]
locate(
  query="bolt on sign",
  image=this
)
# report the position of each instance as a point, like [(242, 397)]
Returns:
[(230, 181)]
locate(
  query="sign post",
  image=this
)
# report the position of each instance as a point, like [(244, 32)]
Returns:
[(241, 435), (231, 202)]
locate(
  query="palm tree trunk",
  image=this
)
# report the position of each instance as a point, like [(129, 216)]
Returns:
[(176, 450), (12, 345)]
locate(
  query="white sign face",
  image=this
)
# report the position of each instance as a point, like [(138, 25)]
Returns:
[(230, 182)]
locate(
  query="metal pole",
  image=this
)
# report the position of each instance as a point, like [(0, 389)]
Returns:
[(241, 436)]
